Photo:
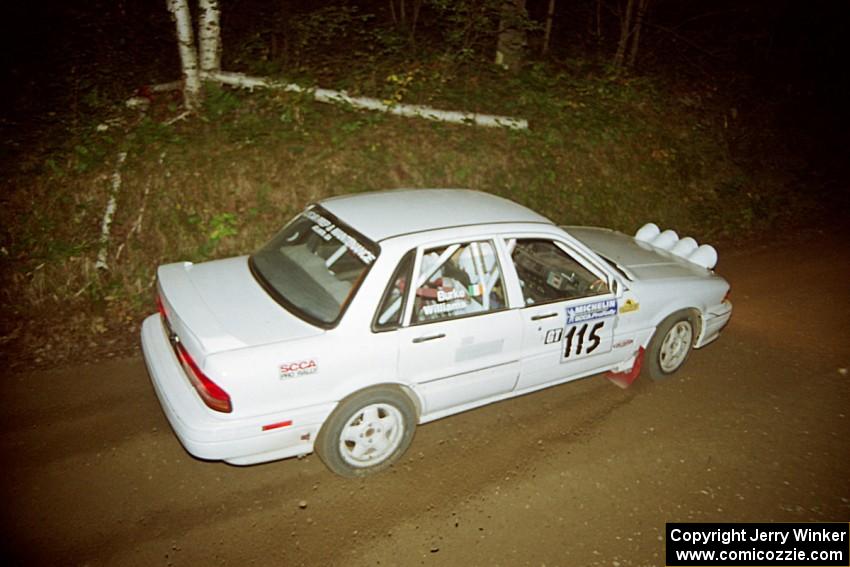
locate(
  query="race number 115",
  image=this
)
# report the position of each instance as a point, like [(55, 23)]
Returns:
[(582, 339)]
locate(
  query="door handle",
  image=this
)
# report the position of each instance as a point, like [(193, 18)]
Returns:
[(544, 316), (428, 338)]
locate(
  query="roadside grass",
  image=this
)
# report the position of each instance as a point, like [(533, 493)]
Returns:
[(602, 150)]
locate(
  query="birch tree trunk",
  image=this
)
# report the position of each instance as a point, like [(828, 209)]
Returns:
[(188, 56), (547, 32), (209, 36)]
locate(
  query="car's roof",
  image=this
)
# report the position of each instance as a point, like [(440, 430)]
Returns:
[(386, 214)]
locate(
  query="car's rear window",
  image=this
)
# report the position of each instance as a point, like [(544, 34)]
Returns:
[(314, 265)]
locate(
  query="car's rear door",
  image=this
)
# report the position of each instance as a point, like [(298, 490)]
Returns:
[(461, 343)]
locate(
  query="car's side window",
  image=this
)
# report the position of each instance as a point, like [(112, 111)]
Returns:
[(458, 280), (547, 273), (392, 304)]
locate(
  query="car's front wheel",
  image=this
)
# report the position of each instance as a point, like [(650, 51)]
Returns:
[(670, 346), (367, 432)]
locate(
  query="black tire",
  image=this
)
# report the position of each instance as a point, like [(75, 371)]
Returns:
[(367, 432), (670, 345)]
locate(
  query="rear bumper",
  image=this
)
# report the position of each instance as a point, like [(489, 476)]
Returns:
[(207, 434), (713, 322)]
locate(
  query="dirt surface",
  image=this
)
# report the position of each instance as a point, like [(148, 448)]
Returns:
[(754, 428)]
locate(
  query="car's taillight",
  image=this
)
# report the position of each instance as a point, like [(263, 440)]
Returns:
[(160, 307), (210, 392)]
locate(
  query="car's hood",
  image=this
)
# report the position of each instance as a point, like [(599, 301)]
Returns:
[(223, 307), (638, 260)]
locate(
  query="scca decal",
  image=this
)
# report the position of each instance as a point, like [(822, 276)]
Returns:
[(300, 368)]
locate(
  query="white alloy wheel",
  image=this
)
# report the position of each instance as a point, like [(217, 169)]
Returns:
[(367, 432), (371, 435), (670, 345), (676, 346)]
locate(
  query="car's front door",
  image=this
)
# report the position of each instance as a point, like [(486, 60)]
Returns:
[(569, 315), (461, 343)]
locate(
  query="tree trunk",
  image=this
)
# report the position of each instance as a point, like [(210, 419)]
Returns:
[(642, 7), (598, 21), (209, 36), (188, 56), (512, 40), (547, 33), (400, 15), (625, 32), (417, 5)]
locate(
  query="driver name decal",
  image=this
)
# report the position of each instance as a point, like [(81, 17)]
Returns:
[(590, 311), (450, 295), (441, 308)]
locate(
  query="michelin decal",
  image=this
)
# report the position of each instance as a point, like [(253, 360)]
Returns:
[(590, 311)]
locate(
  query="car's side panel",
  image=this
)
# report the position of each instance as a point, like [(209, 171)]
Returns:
[(655, 300), (311, 371), (555, 347), (450, 363), (507, 395), (571, 337)]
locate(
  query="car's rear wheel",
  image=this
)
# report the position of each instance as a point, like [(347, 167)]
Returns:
[(367, 432), (670, 346)]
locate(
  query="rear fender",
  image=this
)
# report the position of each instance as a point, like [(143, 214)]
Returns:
[(403, 388)]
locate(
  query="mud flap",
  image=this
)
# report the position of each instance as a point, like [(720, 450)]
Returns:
[(625, 379)]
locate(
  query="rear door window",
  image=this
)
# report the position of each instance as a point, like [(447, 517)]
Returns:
[(458, 280)]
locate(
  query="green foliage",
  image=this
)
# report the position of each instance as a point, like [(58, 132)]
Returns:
[(149, 136), (219, 101), (222, 225), (398, 85), (321, 27), (470, 27), (310, 36)]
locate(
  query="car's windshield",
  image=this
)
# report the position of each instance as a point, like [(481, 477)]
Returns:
[(314, 265)]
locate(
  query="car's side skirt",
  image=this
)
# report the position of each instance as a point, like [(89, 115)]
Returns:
[(497, 398)]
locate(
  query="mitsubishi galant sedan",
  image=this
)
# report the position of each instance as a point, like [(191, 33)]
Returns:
[(370, 314)]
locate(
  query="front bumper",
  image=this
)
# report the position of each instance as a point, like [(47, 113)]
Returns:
[(207, 434)]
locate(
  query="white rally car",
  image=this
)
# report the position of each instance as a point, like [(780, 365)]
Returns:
[(369, 314)]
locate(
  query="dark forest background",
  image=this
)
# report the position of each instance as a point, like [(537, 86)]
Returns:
[(729, 120), (60, 58)]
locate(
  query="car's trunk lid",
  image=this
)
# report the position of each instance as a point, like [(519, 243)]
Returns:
[(219, 306)]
